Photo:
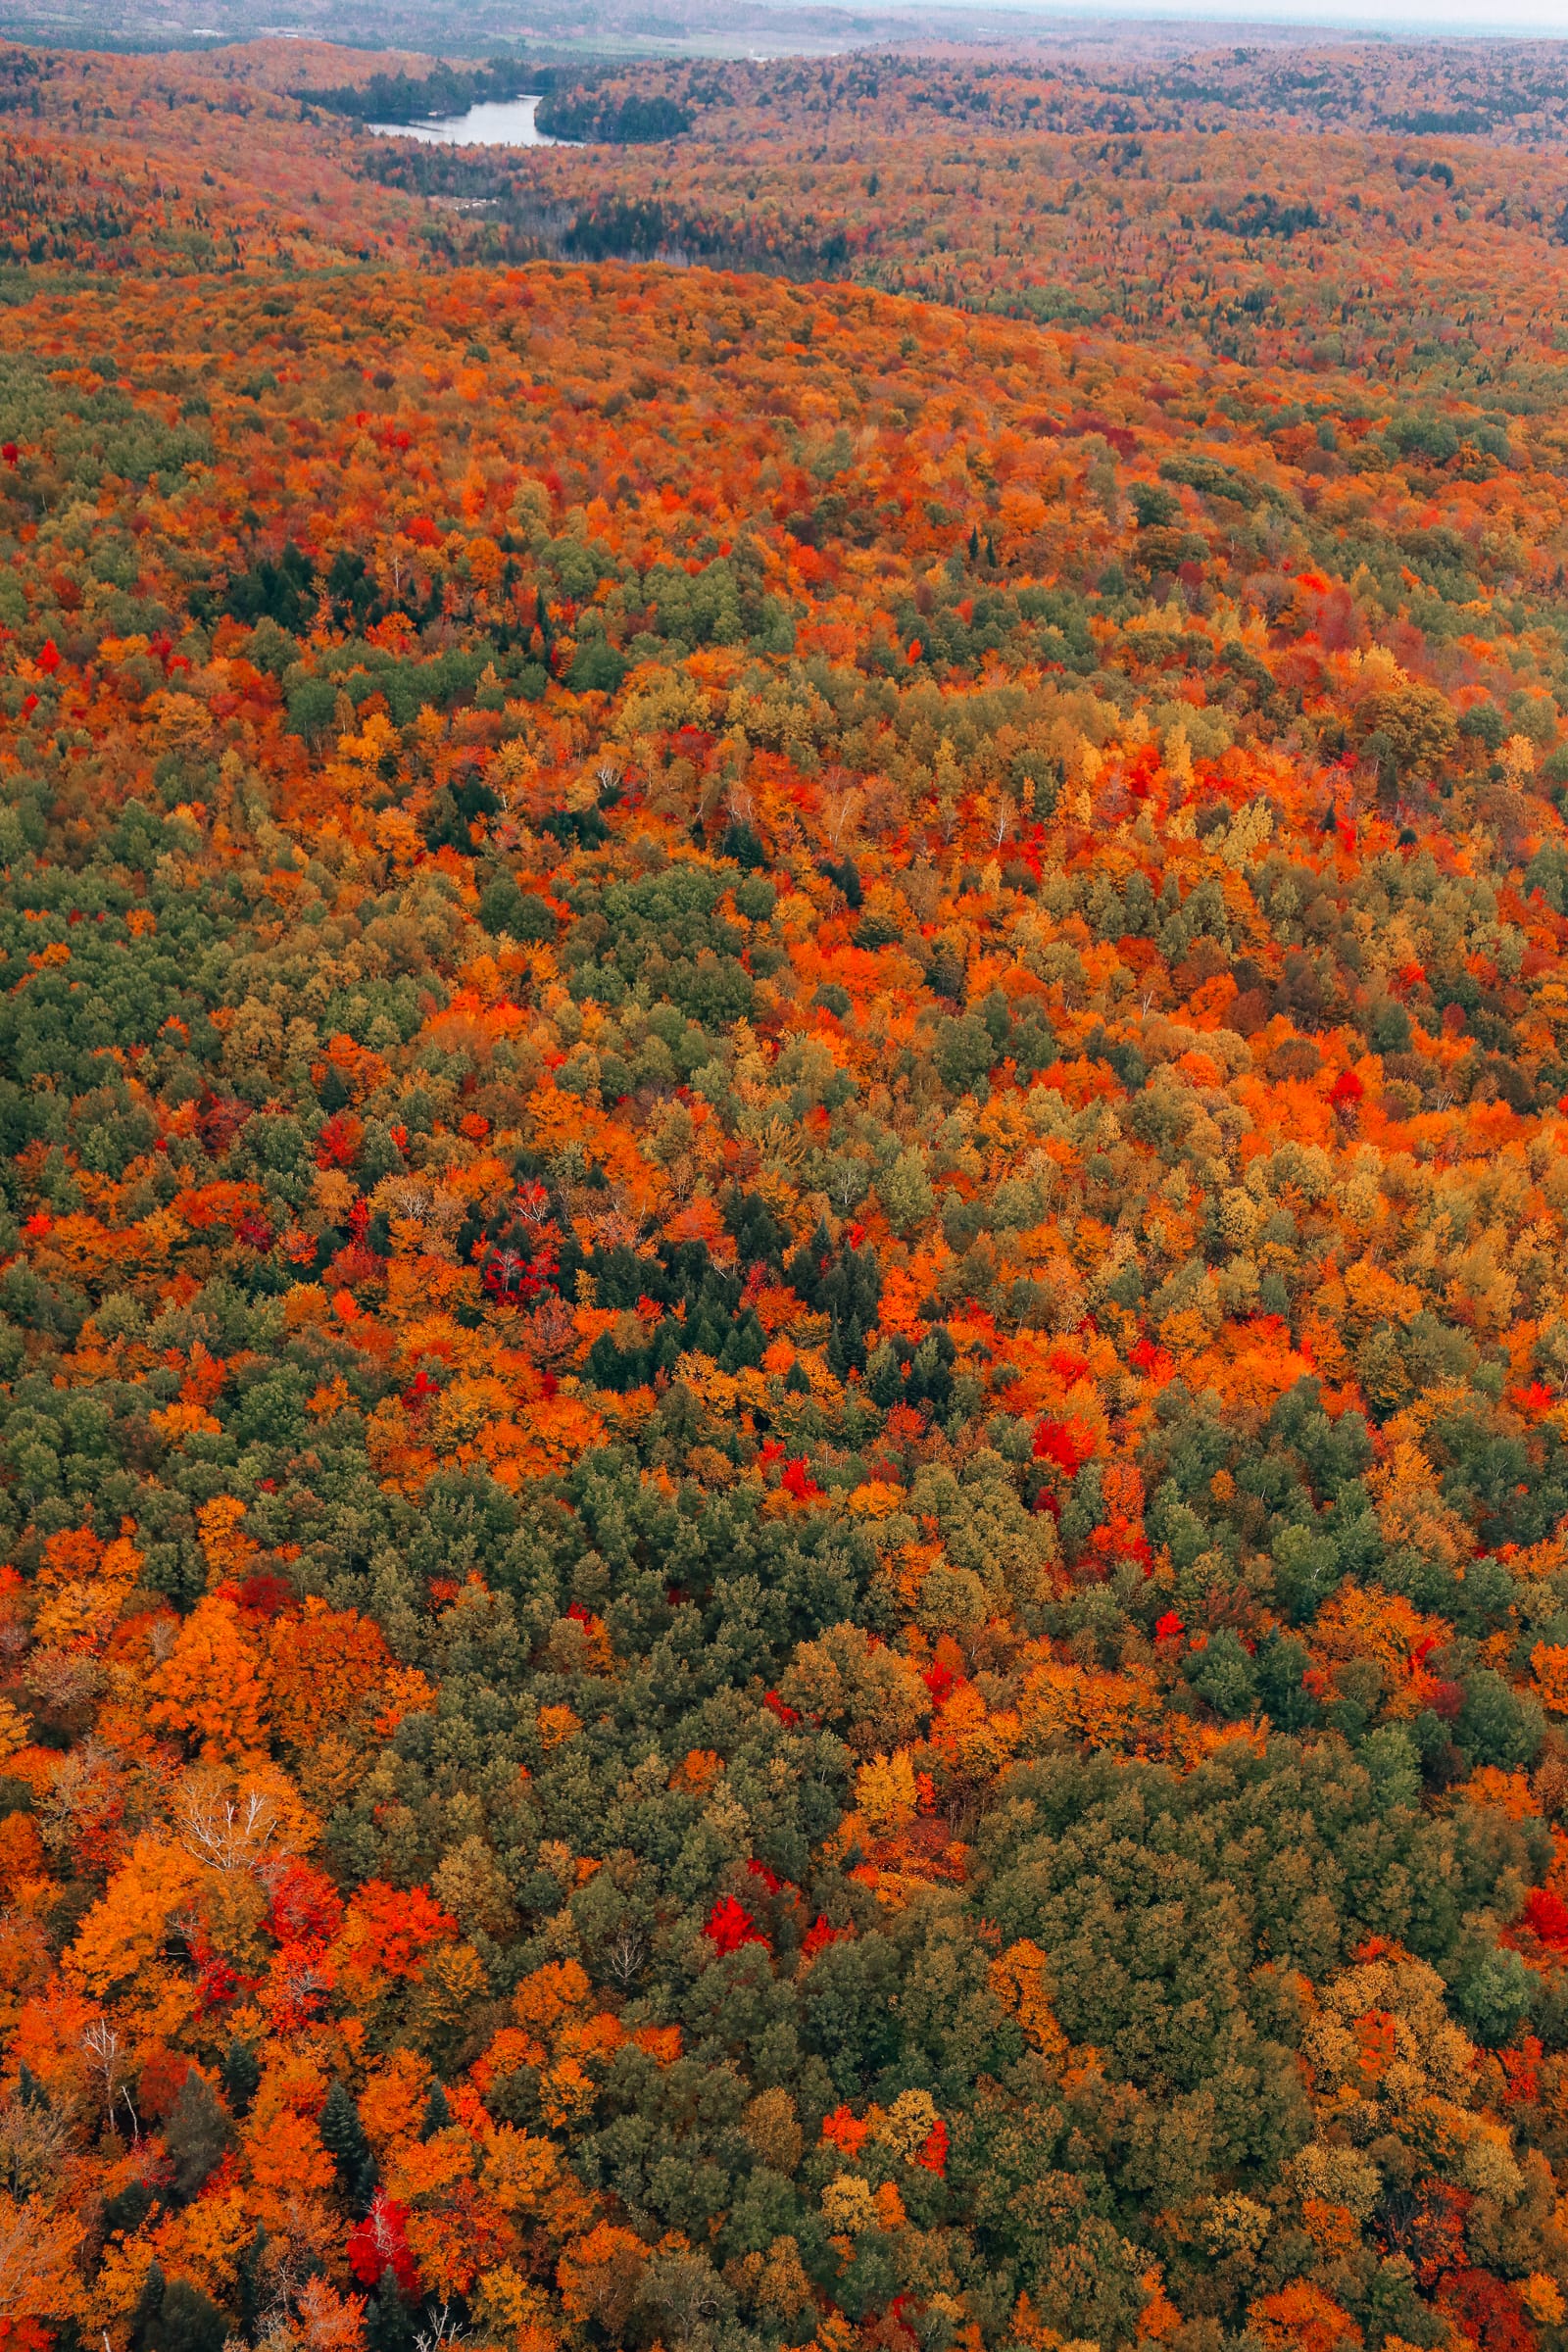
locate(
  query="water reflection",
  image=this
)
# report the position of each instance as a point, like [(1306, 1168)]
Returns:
[(500, 122)]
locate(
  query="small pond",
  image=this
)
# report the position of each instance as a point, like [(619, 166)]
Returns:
[(500, 122)]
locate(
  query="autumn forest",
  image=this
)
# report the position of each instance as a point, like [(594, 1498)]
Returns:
[(784, 1238)]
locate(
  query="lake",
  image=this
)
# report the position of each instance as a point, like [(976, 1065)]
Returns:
[(501, 123)]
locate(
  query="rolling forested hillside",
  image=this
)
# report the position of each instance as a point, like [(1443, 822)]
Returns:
[(784, 1263)]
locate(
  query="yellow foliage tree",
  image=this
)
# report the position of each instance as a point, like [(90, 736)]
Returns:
[(1019, 1979), (123, 1932), (225, 1547)]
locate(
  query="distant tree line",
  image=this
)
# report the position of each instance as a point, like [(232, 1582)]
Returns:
[(445, 90)]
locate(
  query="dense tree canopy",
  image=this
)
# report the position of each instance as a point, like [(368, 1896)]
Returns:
[(784, 1303)]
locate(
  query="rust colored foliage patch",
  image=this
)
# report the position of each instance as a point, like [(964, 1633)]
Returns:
[(784, 1271)]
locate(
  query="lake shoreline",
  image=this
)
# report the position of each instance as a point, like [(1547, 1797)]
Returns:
[(492, 122)]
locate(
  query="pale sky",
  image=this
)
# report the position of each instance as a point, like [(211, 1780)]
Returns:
[(1530, 19)]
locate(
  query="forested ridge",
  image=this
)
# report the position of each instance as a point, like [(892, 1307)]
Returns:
[(784, 1266)]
